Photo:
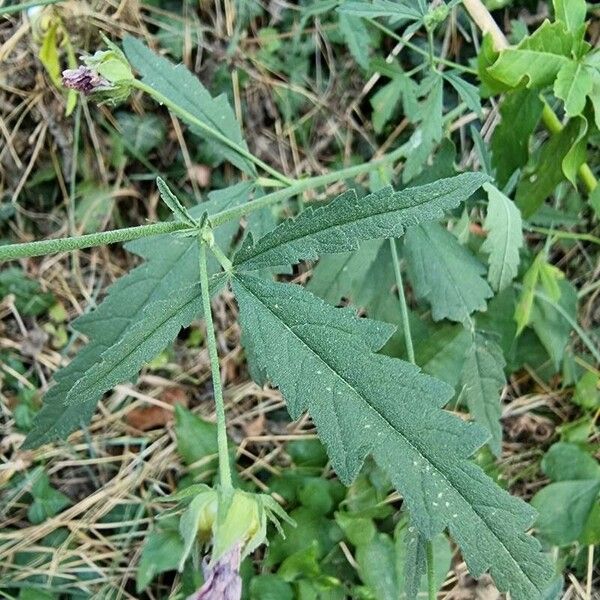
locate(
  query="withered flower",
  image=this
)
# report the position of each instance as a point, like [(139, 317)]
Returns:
[(222, 579), (84, 80)]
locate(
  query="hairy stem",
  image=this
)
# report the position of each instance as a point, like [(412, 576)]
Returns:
[(190, 118), (39, 248), (410, 351), (211, 343)]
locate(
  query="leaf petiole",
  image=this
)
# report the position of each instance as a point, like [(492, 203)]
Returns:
[(211, 343)]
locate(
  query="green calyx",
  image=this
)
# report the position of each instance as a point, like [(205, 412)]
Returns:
[(224, 518)]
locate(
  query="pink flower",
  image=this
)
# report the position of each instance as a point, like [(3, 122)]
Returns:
[(222, 581), (84, 80)]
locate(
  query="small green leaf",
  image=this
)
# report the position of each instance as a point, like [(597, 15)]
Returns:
[(574, 82), (547, 318), (505, 237), (160, 553), (467, 92), (520, 113), (377, 567), (566, 462), (570, 12), (445, 273), (564, 508), (482, 379), (357, 37), (47, 501), (196, 438), (343, 223), (398, 9), (179, 211)]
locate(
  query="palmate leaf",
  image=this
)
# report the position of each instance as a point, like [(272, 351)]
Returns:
[(184, 89), (445, 273), (505, 236), (365, 403), (347, 220), (148, 306), (482, 379), (357, 38)]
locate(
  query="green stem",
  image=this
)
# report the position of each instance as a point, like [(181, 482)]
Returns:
[(302, 185), (211, 343), (39, 248), (419, 50), (554, 126), (221, 257), (567, 235), (410, 351), (190, 118), (431, 591)]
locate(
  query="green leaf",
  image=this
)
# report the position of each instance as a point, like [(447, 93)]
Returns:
[(537, 59), (196, 438), (570, 12), (377, 567), (399, 9), (574, 83), (142, 133), (342, 275), (565, 462), (587, 392), (520, 113), (160, 553), (564, 508), (343, 223), (468, 92), (47, 501), (539, 273), (179, 211), (385, 100), (94, 206), (430, 130), (505, 237), (270, 587), (363, 403), (142, 313), (184, 89), (29, 299), (482, 378), (548, 321), (546, 170), (357, 37), (445, 273)]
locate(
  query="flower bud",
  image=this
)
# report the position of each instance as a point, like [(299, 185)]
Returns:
[(106, 74)]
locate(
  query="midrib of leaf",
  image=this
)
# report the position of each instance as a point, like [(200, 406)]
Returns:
[(394, 430), (348, 221)]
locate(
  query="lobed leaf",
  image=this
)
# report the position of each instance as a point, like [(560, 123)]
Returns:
[(148, 306), (347, 220), (364, 403)]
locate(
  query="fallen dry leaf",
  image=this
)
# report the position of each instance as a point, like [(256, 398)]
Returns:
[(151, 417)]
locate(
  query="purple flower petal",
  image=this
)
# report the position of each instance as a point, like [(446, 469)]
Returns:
[(222, 581), (84, 80)]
